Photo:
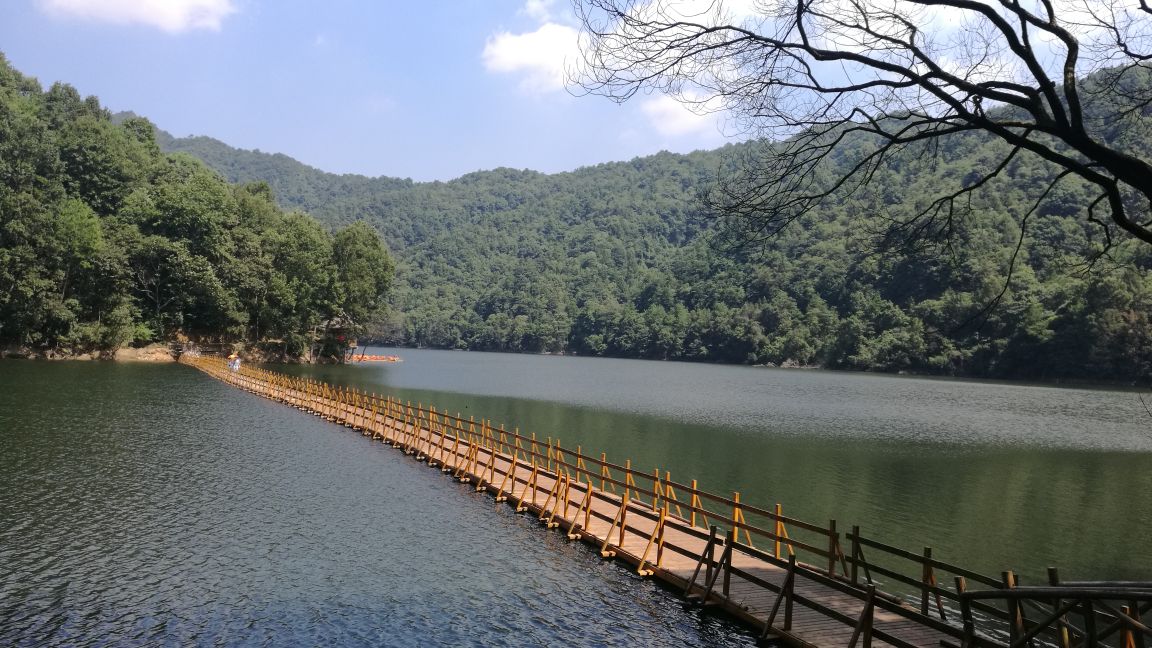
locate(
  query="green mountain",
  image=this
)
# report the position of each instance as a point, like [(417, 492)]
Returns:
[(615, 260)]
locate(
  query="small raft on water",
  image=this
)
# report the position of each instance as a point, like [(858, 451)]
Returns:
[(375, 358)]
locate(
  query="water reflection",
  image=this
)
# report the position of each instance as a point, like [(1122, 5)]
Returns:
[(993, 476)]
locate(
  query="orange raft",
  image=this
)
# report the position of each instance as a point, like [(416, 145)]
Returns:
[(375, 358)]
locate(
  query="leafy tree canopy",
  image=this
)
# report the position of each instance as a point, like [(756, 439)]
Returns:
[(105, 241)]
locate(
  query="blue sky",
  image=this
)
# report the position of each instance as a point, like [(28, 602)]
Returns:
[(426, 90)]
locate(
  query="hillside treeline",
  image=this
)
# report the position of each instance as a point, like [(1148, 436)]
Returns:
[(614, 260), (107, 241)]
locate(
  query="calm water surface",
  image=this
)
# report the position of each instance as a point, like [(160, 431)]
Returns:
[(153, 506), (993, 476)]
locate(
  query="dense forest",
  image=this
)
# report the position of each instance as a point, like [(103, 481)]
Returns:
[(616, 260), (106, 241)]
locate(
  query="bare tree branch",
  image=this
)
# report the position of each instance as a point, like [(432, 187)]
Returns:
[(813, 79)]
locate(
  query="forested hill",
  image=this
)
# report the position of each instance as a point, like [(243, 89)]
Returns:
[(107, 241), (295, 184), (610, 260)]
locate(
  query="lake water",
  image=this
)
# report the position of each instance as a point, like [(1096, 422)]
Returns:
[(993, 476), (153, 506)]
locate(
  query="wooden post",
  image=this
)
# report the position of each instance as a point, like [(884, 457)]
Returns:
[(724, 566), (738, 518), (657, 532), (1090, 638), (855, 554), (574, 529), (500, 494), (705, 560), (560, 488), (693, 501), (491, 471), (1129, 640), (561, 465), (660, 541), (530, 484), (925, 576), (1062, 632), (778, 531), (657, 489), (833, 547), (1139, 640), (628, 481), (1016, 627), (580, 467), (733, 533), (966, 618), (605, 552), (864, 623), (791, 592), (588, 509), (670, 493), (784, 595), (623, 518)]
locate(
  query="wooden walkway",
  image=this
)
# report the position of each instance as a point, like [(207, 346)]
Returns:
[(716, 549)]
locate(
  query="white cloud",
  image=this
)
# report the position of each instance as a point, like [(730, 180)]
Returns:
[(539, 9), (672, 118), (539, 56), (169, 15)]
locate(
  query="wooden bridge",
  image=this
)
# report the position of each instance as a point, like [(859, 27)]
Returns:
[(793, 581)]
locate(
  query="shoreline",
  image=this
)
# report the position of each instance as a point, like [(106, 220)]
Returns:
[(153, 353), (161, 353), (1074, 383)]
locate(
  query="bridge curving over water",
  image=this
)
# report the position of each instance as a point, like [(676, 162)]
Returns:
[(795, 582)]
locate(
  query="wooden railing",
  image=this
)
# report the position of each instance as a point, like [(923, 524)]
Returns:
[(756, 527), (1067, 614), (909, 585)]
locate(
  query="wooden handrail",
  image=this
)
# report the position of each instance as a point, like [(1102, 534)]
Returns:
[(1094, 601), (1045, 593), (472, 447), (460, 424)]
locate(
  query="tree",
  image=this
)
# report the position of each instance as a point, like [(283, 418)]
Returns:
[(180, 290), (860, 83), (363, 274)]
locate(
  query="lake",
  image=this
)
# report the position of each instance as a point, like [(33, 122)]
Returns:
[(992, 475), (145, 505), (152, 505)]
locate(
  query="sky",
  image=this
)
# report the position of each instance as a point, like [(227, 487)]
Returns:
[(425, 90)]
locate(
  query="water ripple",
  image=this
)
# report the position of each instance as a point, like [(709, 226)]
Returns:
[(151, 506)]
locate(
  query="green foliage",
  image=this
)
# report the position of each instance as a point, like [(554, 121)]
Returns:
[(614, 260), (105, 241), (363, 272)]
